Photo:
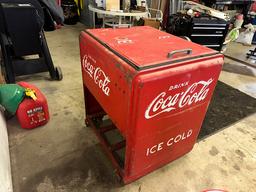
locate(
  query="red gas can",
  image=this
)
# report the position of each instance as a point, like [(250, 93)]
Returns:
[(151, 87), (32, 113)]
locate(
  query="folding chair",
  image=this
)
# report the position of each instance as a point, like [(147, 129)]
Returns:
[(22, 38)]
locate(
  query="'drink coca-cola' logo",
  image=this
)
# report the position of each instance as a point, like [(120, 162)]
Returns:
[(165, 102), (97, 74)]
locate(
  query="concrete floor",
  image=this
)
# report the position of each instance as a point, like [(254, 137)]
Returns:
[(238, 51), (64, 156)]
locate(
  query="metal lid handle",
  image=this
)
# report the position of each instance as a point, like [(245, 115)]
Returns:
[(186, 51)]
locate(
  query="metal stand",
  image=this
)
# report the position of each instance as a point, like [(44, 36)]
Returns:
[(113, 143), (119, 23), (114, 146)]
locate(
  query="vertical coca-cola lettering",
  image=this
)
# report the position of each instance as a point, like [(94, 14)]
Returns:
[(97, 74), (87, 66), (165, 102), (102, 80)]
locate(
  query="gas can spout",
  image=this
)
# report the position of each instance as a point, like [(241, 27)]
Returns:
[(31, 93)]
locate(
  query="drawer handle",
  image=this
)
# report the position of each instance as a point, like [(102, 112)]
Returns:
[(186, 51)]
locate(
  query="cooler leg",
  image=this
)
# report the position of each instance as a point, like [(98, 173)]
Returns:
[(92, 107)]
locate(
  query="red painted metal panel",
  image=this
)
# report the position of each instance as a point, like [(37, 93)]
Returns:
[(146, 46), (108, 77), (168, 109), (158, 108)]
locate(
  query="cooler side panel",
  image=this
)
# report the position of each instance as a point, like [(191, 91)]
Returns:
[(168, 110), (106, 79)]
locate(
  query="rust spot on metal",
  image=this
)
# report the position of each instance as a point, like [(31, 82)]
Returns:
[(128, 76), (141, 85), (121, 67)]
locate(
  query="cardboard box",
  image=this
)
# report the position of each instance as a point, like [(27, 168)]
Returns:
[(112, 5), (152, 23), (2, 81)]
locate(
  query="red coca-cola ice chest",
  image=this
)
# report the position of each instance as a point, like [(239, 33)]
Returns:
[(32, 113), (146, 94)]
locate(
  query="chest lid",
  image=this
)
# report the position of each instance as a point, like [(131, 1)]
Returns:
[(145, 47)]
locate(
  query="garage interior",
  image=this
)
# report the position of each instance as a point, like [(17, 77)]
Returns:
[(64, 155)]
